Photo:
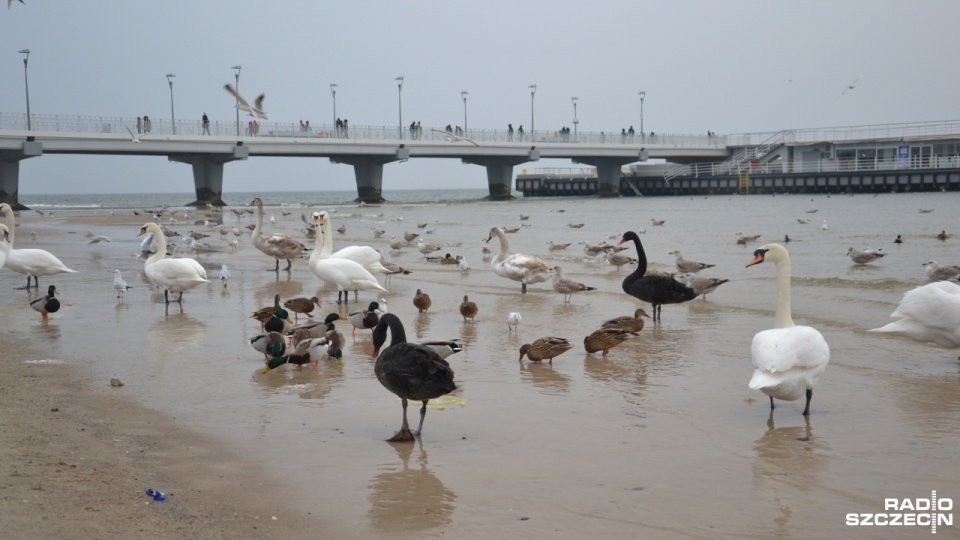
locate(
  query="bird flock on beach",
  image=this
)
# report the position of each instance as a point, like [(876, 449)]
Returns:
[(788, 358)]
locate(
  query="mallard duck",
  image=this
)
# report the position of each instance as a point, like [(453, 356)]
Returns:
[(172, 275), (943, 235), (789, 359), (409, 370), (263, 314), (46, 304), (332, 334), (657, 290), (422, 301), (626, 322), (444, 348), (449, 259), (526, 269), (468, 309), (365, 320), (545, 348), (307, 351), (269, 344), (301, 304), (567, 286), (278, 322), (278, 246), (604, 339)]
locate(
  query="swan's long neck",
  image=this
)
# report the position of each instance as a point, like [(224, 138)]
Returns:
[(256, 230), (327, 238), (641, 261), (504, 246), (782, 316), (161, 245), (317, 246), (8, 213)]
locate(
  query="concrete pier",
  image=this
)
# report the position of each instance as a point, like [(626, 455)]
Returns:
[(208, 173), (10, 172)]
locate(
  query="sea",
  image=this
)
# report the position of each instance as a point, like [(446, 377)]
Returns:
[(660, 438)]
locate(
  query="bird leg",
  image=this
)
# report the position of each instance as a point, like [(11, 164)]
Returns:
[(36, 282), (180, 298), (339, 297), (166, 298), (523, 288), (423, 414), (806, 410), (44, 314), (276, 268), (404, 434), (289, 265), (771, 403)]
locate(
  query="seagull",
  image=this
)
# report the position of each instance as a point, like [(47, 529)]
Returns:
[(96, 238), (850, 86), (10, 2), (224, 275), (256, 111), (136, 138), (513, 321), (454, 138), (464, 265), (119, 284)]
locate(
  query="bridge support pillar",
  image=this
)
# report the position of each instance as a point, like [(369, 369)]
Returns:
[(500, 173), (10, 172), (368, 170), (208, 173), (608, 172)]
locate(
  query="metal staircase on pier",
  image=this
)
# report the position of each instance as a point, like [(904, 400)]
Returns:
[(735, 164)]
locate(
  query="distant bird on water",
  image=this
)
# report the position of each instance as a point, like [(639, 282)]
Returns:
[(410, 371)]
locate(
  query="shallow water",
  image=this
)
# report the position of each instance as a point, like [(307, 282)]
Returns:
[(661, 437)]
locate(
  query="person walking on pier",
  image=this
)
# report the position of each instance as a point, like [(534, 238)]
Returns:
[(206, 124), (630, 134), (139, 125), (520, 132), (510, 132), (147, 124)]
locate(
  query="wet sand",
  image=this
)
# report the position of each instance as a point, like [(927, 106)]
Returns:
[(661, 438)]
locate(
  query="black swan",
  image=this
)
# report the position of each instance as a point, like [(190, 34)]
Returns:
[(657, 290), (409, 370)]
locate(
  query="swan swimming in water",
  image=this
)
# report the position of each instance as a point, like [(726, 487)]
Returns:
[(930, 314), (789, 359)]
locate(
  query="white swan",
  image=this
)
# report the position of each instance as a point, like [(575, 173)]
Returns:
[(366, 256), (789, 358), (4, 244), (526, 269), (278, 246), (30, 262), (930, 314), (347, 275), (173, 275)]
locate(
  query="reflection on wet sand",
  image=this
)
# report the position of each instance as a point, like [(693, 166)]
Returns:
[(545, 378), (408, 499), (421, 327), (175, 331), (626, 373), (790, 463), (931, 403), (308, 383)]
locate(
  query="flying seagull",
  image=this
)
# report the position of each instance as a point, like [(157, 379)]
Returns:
[(135, 138), (454, 138), (850, 86), (255, 111), (10, 2)]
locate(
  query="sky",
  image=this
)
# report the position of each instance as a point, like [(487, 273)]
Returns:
[(728, 67)]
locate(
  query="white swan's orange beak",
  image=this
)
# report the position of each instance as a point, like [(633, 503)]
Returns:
[(757, 258), (143, 231)]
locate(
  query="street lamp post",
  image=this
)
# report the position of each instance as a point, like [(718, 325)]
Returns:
[(26, 83), (173, 119), (464, 95), (400, 103), (333, 90), (575, 121), (643, 95), (533, 131), (237, 88)]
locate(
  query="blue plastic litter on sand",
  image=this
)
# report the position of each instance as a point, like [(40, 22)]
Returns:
[(158, 496)]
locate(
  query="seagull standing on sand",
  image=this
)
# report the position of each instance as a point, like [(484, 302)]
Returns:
[(224, 275), (119, 284), (256, 110), (513, 321)]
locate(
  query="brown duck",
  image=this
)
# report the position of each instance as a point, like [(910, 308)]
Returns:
[(302, 305), (468, 309), (263, 314), (631, 324), (545, 348), (604, 339), (422, 301)]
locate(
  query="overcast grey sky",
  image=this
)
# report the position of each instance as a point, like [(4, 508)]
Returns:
[(729, 67)]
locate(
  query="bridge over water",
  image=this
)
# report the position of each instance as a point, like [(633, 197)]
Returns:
[(366, 148)]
